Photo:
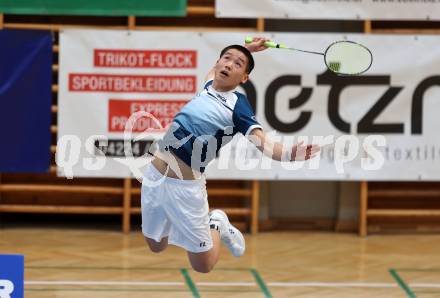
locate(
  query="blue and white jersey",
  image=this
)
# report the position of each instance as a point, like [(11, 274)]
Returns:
[(206, 123)]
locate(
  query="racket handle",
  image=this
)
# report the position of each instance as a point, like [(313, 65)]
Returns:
[(269, 44)]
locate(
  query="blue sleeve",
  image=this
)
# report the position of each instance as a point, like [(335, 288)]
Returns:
[(243, 116)]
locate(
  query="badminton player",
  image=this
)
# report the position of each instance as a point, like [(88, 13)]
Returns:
[(176, 210)]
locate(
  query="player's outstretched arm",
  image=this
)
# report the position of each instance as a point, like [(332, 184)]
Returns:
[(279, 151), (210, 76)]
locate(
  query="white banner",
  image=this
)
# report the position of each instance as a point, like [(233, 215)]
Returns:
[(106, 76), (330, 9)]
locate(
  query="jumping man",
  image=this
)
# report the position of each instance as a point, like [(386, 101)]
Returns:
[(175, 211)]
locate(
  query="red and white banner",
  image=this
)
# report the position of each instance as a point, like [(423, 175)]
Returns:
[(81, 82), (330, 9), (145, 59), (121, 110), (382, 125)]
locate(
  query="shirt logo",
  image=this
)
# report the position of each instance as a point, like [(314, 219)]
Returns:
[(222, 98)]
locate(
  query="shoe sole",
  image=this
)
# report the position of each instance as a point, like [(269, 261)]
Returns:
[(240, 234)]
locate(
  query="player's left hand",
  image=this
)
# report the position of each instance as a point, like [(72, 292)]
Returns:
[(257, 44), (301, 151)]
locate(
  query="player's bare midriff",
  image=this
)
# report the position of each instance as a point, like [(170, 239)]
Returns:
[(162, 162)]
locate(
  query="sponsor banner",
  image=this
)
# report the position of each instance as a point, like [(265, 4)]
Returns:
[(330, 9), (83, 82), (145, 59), (95, 7), (162, 111), (378, 126), (25, 100)]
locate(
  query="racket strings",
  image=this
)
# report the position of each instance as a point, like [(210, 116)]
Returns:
[(334, 66)]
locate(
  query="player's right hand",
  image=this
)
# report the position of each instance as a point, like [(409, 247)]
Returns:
[(302, 152), (257, 44)]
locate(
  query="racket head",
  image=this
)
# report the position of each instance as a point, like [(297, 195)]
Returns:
[(348, 58)]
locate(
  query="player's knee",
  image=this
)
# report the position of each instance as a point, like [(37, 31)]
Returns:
[(156, 247), (203, 267)]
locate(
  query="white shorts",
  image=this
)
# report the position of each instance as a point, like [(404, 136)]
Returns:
[(177, 209)]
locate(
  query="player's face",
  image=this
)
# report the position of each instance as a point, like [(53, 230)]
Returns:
[(230, 70)]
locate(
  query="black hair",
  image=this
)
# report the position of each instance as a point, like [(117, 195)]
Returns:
[(246, 52)]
